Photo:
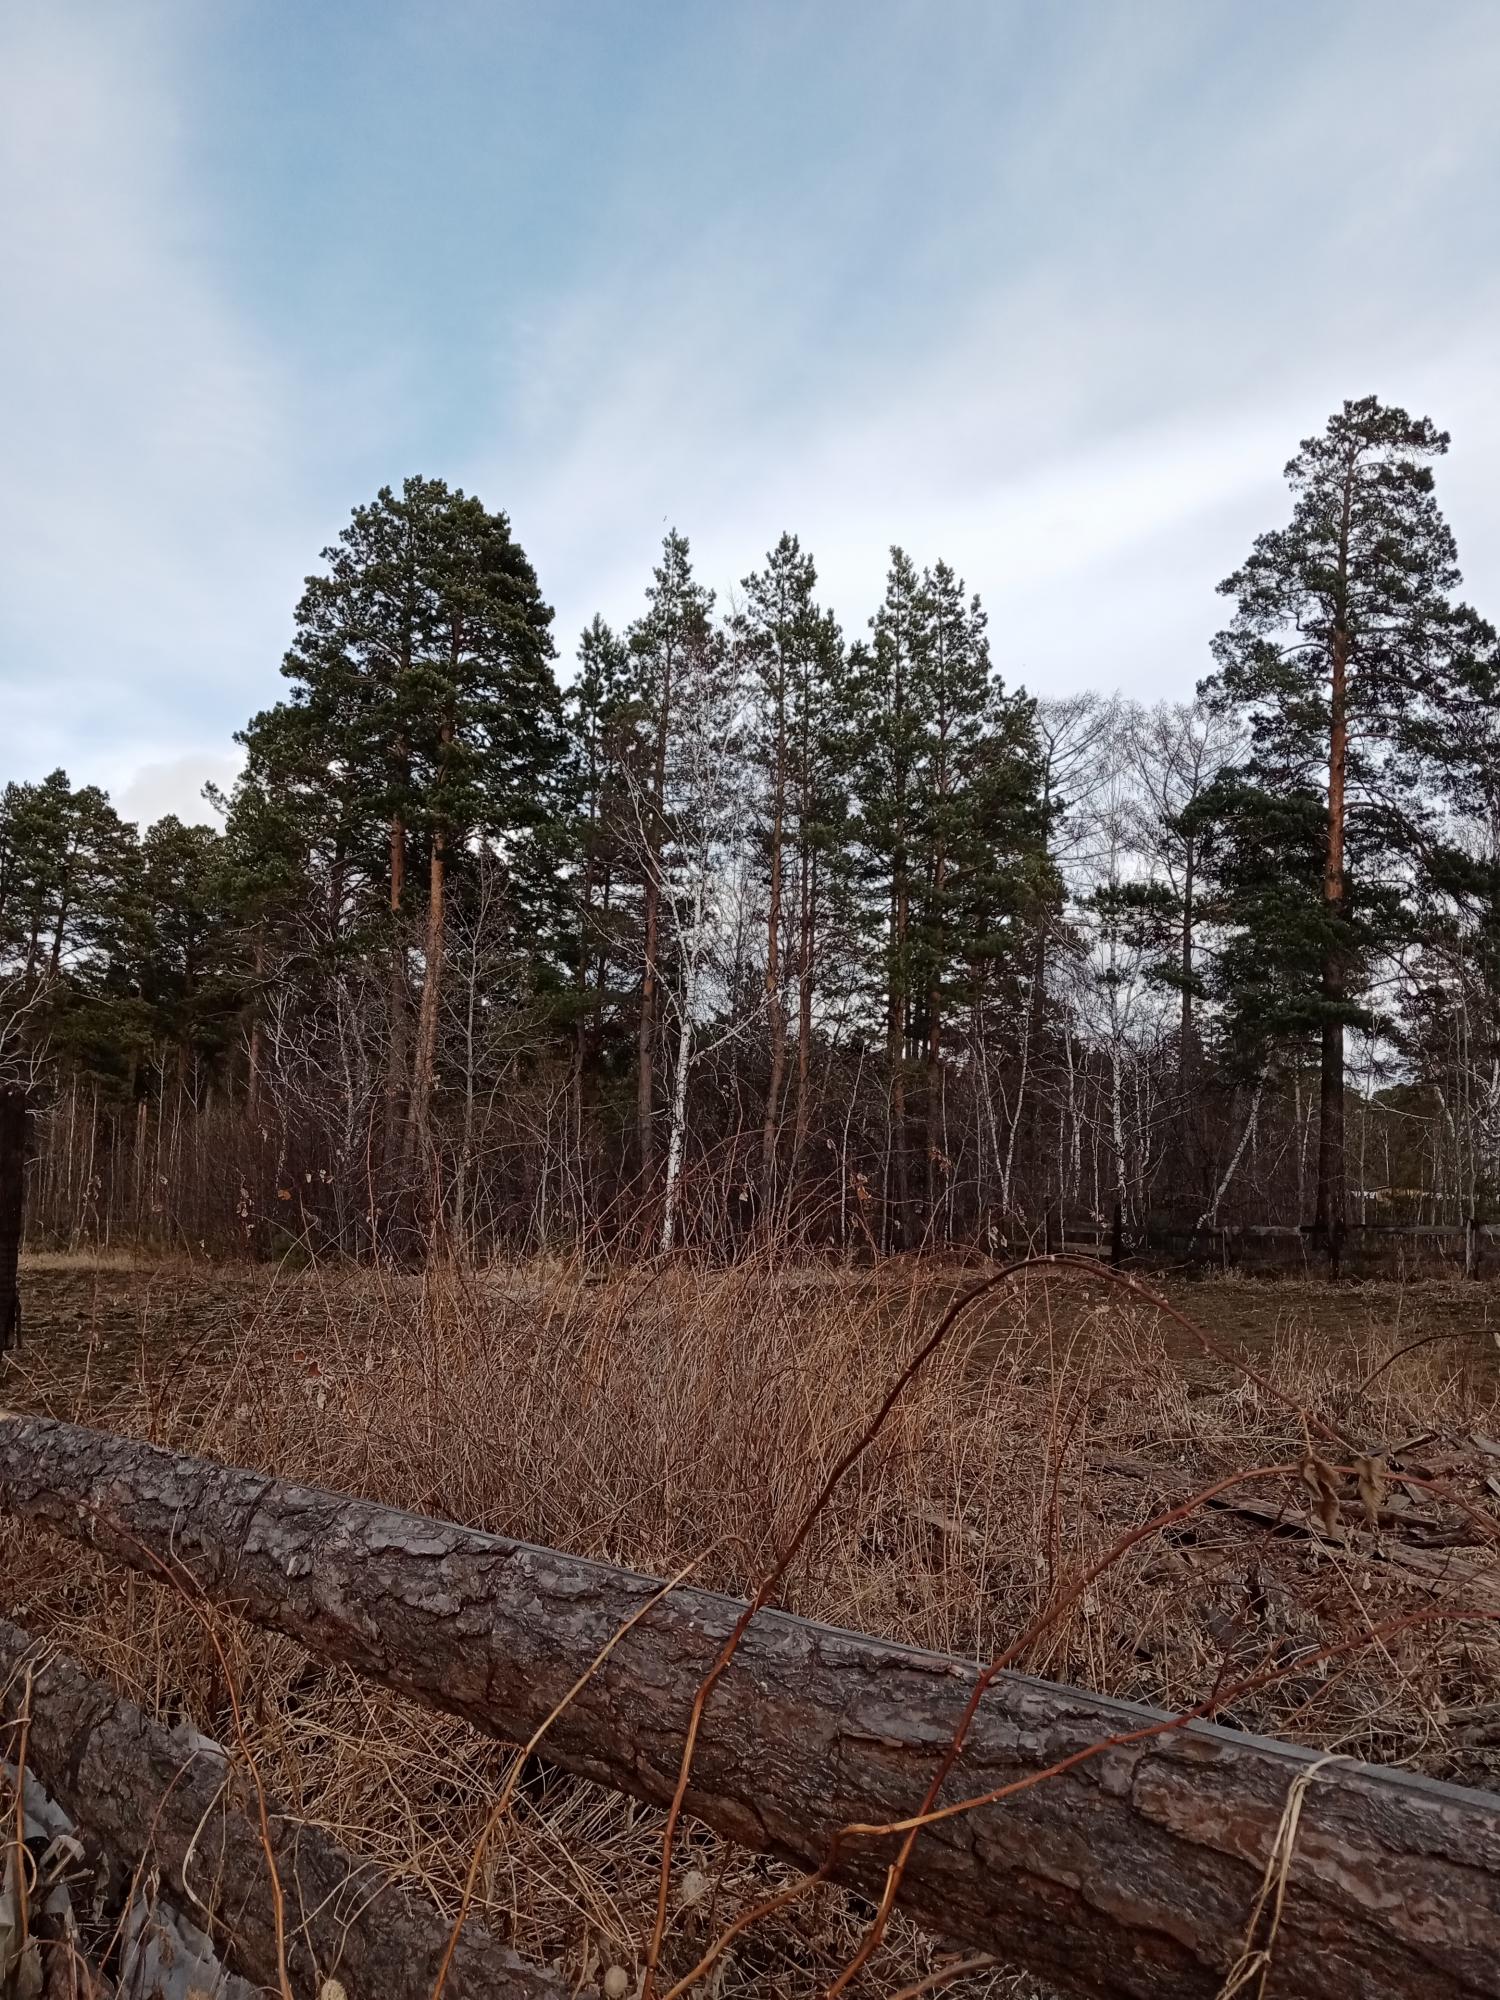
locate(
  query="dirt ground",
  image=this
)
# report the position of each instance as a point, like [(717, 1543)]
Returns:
[(90, 1325)]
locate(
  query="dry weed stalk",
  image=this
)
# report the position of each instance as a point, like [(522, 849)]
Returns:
[(1317, 1473), (652, 1417)]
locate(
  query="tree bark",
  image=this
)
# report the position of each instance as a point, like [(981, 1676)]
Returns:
[(897, 1232), (172, 1797), (645, 1107), (807, 895), (1209, 1219), (1189, 1118), (255, 1051), (1131, 1875), (13, 1123), (424, 1066), (677, 1129), (1332, 1172), (400, 1000), (933, 1108), (1185, 973), (775, 1012)]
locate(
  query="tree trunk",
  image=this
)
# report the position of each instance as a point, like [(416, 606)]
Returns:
[(429, 1014), (424, 1062), (586, 932), (775, 1012), (54, 959), (807, 894), (645, 1097), (934, 1049), (677, 1130), (255, 1051), (1185, 1019), (1131, 1874), (396, 1072), (13, 1123), (1188, 1118), (1332, 1173), (898, 1204), (173, 1799), (645, 1090), (1209, 1219), (1039, 1191)]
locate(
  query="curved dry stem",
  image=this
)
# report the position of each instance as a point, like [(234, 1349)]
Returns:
[(769, 1582), (182, 1580), (770, 1905), (1061, 1261), (502, 1804)]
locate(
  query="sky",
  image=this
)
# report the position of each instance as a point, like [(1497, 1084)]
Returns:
[(1051, 292)]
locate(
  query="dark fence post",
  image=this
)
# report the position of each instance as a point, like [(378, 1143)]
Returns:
[(12, 1196)]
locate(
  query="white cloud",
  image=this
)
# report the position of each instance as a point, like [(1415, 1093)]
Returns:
[(1051, 294), (150, 437), (1158, 280), (175, 785)]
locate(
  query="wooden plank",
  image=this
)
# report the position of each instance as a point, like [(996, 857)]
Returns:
[(1130, 1874)]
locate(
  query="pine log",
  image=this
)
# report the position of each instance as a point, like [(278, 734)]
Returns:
[(1132, 1874), (174, 1800)]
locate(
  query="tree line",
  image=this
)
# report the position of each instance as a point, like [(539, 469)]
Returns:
[(753, 925)]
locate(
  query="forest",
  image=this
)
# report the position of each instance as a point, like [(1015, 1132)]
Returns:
[(507, 1486), (739, 925)]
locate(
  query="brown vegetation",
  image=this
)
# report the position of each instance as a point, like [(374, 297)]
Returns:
[(668, 1418)]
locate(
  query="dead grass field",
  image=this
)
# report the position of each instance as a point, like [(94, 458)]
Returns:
[(660, 1418)]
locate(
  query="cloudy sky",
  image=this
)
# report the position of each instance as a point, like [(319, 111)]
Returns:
[(1049, 290)]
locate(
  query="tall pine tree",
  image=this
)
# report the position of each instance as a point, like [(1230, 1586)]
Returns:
[(1343, 654), (794, 654), (424, 711)]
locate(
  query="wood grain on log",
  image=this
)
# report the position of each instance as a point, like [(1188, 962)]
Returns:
[(1130, 1875), (174, 1799)]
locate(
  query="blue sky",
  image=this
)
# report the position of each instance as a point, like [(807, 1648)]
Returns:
[(1049, 290)]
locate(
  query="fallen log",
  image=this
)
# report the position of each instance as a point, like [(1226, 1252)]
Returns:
[(177, 1802), (1131, 1874), (1466, 1576)]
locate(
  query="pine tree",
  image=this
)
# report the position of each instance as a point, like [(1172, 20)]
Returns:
[(176, 952), (265, 866), (950, 819), (1451, 1029), (603, 714), (976, 792), (1341, 655), (425, 711), (887, 682), (676, 621), (63, 856), (794, 654)]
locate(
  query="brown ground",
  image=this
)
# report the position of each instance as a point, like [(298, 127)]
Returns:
[(91, 1324)]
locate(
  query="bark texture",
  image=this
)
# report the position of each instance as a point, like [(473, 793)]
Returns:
[(143, 1791), (1131, 1875)]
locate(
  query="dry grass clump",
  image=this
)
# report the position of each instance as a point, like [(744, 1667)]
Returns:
[(663, 1418)]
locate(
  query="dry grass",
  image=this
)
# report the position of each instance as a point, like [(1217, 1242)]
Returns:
[(89, 1259), (657, 1418)]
